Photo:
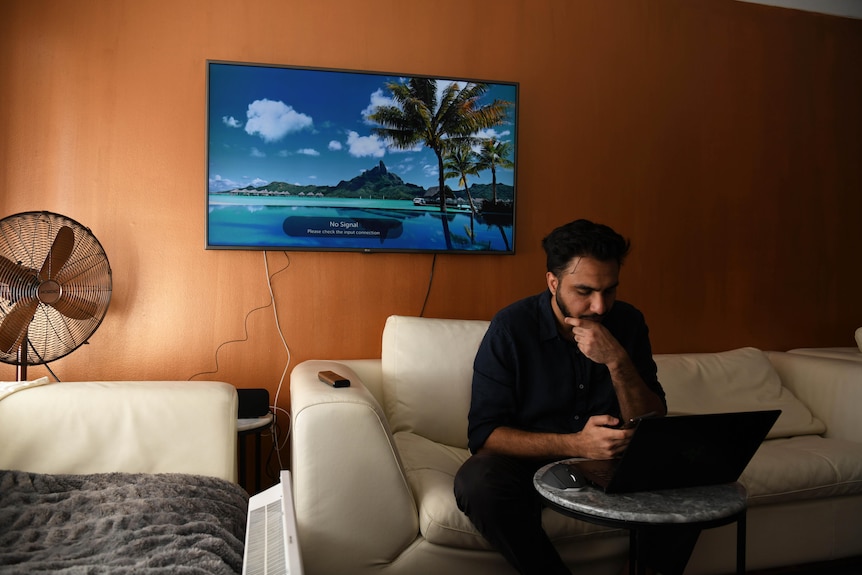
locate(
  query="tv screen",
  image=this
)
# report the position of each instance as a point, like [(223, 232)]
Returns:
[(305, 158)]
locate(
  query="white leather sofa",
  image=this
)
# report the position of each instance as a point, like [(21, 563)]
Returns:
[(121, 426), (847, 353), (373, 463)]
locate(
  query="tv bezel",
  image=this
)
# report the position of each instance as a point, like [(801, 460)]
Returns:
[(384, 76)]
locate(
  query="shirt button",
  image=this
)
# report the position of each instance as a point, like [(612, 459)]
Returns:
[(577, 417), (581, 386)]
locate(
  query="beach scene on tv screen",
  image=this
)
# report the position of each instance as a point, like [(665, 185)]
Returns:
[(303, 158)]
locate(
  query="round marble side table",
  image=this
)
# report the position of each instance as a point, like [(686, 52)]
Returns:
[(702, 507)]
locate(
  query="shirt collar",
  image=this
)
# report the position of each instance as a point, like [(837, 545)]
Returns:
[(547, 319)]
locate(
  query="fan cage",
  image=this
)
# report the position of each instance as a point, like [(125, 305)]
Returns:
[(26, 240)]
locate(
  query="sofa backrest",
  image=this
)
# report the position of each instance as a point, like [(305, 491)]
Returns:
[(427, 375), (738, 380)]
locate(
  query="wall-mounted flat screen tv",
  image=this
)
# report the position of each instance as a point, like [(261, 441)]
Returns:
[(305, 158)]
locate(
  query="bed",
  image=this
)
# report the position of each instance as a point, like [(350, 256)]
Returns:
[(120, 477), (120, 523)]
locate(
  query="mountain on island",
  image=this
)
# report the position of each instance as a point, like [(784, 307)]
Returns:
[(375, 183)]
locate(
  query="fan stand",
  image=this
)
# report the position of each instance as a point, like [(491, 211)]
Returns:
[(21, 368)]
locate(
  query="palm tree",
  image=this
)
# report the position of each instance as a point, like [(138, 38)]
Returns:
[(492, 154), (420, 118), (460, 162)]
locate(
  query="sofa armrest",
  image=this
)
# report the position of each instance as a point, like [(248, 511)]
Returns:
[(831, 388), (353, 504), (121, 426), (370, 372)]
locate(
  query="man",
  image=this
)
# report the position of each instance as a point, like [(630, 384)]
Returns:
[(554, 375)]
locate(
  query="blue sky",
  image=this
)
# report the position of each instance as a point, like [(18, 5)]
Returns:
[(308, 127)]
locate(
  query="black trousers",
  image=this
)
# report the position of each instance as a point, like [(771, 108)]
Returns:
[(496, 492)]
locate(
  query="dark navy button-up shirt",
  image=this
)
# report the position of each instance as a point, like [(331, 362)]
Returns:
[(527, 376)]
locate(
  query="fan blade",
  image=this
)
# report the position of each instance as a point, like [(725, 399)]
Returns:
[(15, 324), (75, 307), (11, 272), (59, 254)]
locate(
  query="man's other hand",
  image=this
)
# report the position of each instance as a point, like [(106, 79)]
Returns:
[(600, 440)]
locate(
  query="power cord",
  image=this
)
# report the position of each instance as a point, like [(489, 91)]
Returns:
[(245, 321), (224, 343), (274, 429), (430, 281), (274, 409)]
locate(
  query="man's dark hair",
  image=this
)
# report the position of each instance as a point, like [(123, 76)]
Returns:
[(583, 238)]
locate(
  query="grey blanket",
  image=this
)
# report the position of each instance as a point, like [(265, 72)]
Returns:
[(120, 523)]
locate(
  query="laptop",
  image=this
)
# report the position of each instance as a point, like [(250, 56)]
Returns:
[(682, 451), (271, 545)]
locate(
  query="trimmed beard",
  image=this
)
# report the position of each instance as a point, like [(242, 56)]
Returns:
[(565, 310)]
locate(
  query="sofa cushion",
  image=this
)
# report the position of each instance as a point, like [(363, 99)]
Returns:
[(845, 353), (431, 469), (738, 380), (7, 388), (427, 375), (802, 468)]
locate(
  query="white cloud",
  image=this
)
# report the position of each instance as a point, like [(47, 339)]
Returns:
[(364, 146), (335, 145), (272, 120), (219, 184), (255, 153), (308, 152), (492, 133), (377, 98), (405, 165), (231, 122)]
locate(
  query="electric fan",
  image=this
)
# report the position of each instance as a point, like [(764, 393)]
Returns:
[(55, 287)]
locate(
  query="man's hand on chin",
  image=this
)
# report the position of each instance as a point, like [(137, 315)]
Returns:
[(594, 340)]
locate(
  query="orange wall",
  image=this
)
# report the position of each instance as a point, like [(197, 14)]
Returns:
[(724, 138)]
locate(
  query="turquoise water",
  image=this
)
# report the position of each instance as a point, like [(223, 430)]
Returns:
[(348, 223)]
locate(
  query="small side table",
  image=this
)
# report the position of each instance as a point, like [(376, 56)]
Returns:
[(702, 507), (245, 427)]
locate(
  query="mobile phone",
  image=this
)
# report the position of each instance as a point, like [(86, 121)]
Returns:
[(633, 422)]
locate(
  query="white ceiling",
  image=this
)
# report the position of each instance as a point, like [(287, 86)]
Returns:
[(846, 8)]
